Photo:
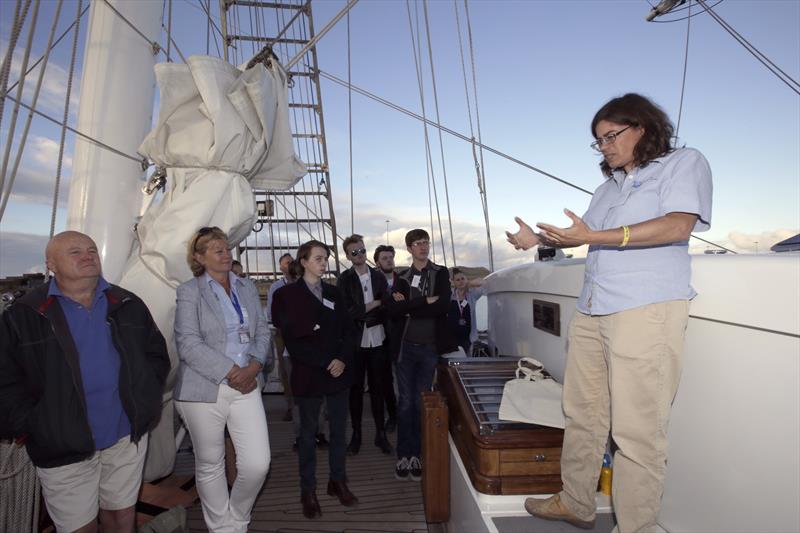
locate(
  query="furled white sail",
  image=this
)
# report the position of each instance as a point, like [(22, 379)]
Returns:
[(220, 132)]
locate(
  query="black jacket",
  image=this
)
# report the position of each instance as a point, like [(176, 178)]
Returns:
[(353, 293), (41, 389), (314, 335), (395, 325), (420, 308)]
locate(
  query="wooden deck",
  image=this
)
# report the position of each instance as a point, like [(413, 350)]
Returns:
[(385, 504)]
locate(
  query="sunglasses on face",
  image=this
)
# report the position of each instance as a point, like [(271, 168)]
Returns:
[(358, 251)]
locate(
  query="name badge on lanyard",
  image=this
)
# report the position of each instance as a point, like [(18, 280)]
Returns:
[(244, 330), (462, 304)]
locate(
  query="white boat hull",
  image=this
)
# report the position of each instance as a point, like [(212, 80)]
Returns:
[(734, 463)]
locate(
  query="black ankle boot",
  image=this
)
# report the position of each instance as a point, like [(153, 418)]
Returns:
[(355, 442)]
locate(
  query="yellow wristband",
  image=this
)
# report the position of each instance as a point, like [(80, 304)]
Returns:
[(626, 235)]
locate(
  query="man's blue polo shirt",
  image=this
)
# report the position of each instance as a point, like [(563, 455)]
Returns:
[(100, 364)]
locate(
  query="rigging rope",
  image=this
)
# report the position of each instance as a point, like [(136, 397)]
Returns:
[(313, 42), (429, 173), (55, 43), (65, 118), (171, 40), (478, 164), (441, 142), (141, 160), (169, 31), (416, 48), (5, 70), (685, 64), (154, 44), (213, 24), (208, 32), (454, 133), (677, 10), (793, 84), (482, 184), (449, 131), (15, 112), (350, 126)]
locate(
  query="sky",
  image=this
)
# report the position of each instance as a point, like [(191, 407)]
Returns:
[(543, 68)]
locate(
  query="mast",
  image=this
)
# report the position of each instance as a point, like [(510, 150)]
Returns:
[(116, 106)]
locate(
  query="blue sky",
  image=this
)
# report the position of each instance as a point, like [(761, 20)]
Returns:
[(544, 68)]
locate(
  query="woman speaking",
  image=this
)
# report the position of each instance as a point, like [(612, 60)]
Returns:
[(222, 338), (626, 338)]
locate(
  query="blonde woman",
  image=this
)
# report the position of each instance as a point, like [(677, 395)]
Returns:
[(222, 338)]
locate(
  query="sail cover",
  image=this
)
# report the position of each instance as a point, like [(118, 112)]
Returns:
[(221, 131)]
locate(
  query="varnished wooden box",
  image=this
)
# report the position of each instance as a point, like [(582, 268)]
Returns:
[(501, 457)]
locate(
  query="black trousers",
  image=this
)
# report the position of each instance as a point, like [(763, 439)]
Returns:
[(309, 407), (388, 383), (371, 361)]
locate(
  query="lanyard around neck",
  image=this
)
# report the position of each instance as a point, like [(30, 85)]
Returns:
[(237, 306)]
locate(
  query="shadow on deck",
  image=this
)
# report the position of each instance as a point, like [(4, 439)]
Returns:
[(385, 504)]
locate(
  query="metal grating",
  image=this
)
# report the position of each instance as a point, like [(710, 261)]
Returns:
[(483, 380)]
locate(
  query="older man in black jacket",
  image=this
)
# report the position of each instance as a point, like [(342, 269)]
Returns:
[(363, 288), (82, 372)]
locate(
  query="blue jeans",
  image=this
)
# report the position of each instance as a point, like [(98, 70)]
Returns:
[(415, 370)]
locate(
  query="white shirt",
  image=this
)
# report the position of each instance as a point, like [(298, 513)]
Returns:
[(372, 336)]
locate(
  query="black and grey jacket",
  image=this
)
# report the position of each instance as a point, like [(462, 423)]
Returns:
[(439, 285), (42, 400)]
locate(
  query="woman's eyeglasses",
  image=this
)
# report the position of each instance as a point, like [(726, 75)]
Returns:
[(607, 139)]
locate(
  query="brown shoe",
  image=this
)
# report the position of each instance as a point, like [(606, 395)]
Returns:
[(553, 509), (340, 490), (311, 508)]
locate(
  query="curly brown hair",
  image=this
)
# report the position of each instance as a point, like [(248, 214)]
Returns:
[(635, 110)]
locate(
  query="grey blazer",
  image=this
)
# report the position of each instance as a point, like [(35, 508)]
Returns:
[(200, 337)]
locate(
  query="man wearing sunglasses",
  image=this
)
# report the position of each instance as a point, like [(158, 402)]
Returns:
[(363, 287)]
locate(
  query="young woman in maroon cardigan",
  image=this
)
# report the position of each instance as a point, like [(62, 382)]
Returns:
[(316, 327)]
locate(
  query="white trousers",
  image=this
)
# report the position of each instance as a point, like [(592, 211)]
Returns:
[(247, 425)]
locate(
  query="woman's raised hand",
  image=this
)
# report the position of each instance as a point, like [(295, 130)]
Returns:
[(525, 238)]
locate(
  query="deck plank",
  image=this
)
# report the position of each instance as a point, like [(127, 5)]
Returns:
[(386, 505)]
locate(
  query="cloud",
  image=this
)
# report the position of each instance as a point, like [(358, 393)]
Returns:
[(21, 253), (470, 238), (45, 152), (36, 176), (54, 84), (759, 242), (36, 186)]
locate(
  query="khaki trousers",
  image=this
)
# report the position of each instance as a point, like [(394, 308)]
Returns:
[(622, 373)]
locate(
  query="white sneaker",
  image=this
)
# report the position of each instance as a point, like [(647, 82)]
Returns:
[(401, 469), (415, 469)]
